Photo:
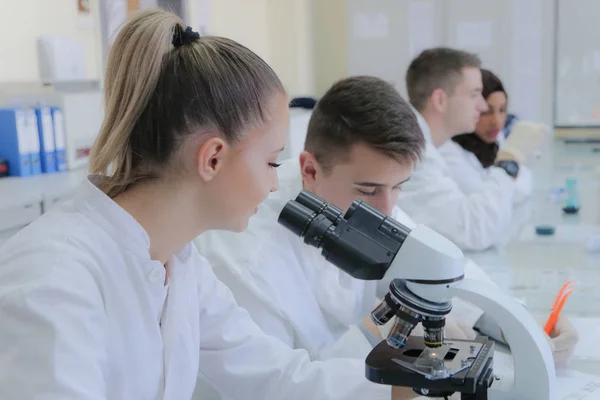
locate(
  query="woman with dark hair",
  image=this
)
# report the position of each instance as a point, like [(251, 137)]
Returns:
[(471, 156)]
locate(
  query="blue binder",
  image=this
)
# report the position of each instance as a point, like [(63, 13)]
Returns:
[(59, 139), (15, 141), (34, 142), (46, 136)]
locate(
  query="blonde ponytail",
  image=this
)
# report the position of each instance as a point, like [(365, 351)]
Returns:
[(155, 92)]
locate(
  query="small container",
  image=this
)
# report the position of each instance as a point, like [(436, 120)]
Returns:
[(544, 230), (547, 215), (571, 204)]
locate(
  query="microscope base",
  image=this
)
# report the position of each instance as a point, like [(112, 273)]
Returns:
[(383, 365)]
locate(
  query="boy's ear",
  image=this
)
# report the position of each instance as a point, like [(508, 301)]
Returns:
[(439, 100), (310, 170)]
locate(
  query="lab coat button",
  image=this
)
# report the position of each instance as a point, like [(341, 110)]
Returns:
[(155, 275)]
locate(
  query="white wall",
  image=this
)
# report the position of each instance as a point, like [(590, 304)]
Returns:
[(290, 44), (277, 30), (578, 64), (23, 21), (526, 68), (521, 51), (330, 42), (309, 43), (240, 20)]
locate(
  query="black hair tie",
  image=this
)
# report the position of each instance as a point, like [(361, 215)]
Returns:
[(184, 37)]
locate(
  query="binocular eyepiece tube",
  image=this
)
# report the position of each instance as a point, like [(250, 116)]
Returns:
[(309, 217), (361, 242)]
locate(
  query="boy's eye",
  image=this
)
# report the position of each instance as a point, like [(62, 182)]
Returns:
[(274, 164), (364, 193)]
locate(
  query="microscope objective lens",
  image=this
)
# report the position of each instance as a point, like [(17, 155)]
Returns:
[(433, 331), (382, 313)]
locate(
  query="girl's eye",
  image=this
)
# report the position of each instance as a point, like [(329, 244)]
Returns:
[(274, 164)]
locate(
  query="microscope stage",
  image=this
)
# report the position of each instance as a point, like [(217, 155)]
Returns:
[(457, 366)]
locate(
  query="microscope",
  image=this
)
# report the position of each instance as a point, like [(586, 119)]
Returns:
[(424, 271)]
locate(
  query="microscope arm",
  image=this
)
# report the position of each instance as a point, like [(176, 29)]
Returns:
[(535, 375)]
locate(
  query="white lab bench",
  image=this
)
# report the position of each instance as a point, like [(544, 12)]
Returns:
[(23, 199), (533, 268)]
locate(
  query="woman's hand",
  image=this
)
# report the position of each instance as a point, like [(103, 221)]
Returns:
[(563, 340), (505, 156)]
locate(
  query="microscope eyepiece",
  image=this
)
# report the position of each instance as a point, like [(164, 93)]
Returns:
[(310, 201), (296, 217), (319, 206), (309, 217)]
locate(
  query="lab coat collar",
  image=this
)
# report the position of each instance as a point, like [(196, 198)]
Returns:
[(423, 125), (117, 222)]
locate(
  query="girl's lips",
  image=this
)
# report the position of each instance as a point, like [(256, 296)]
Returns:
[(494, 134)]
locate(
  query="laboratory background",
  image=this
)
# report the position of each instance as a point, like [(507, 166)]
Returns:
[(546, 52)]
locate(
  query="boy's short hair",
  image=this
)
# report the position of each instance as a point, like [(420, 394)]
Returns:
[(437, 68), (363, 109)]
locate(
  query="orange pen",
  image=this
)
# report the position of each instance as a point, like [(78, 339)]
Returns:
[(558, 305)]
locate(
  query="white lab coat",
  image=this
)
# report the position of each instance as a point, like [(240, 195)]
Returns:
[(291, 291), (86, 315), (469, 174), (474, 221)]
